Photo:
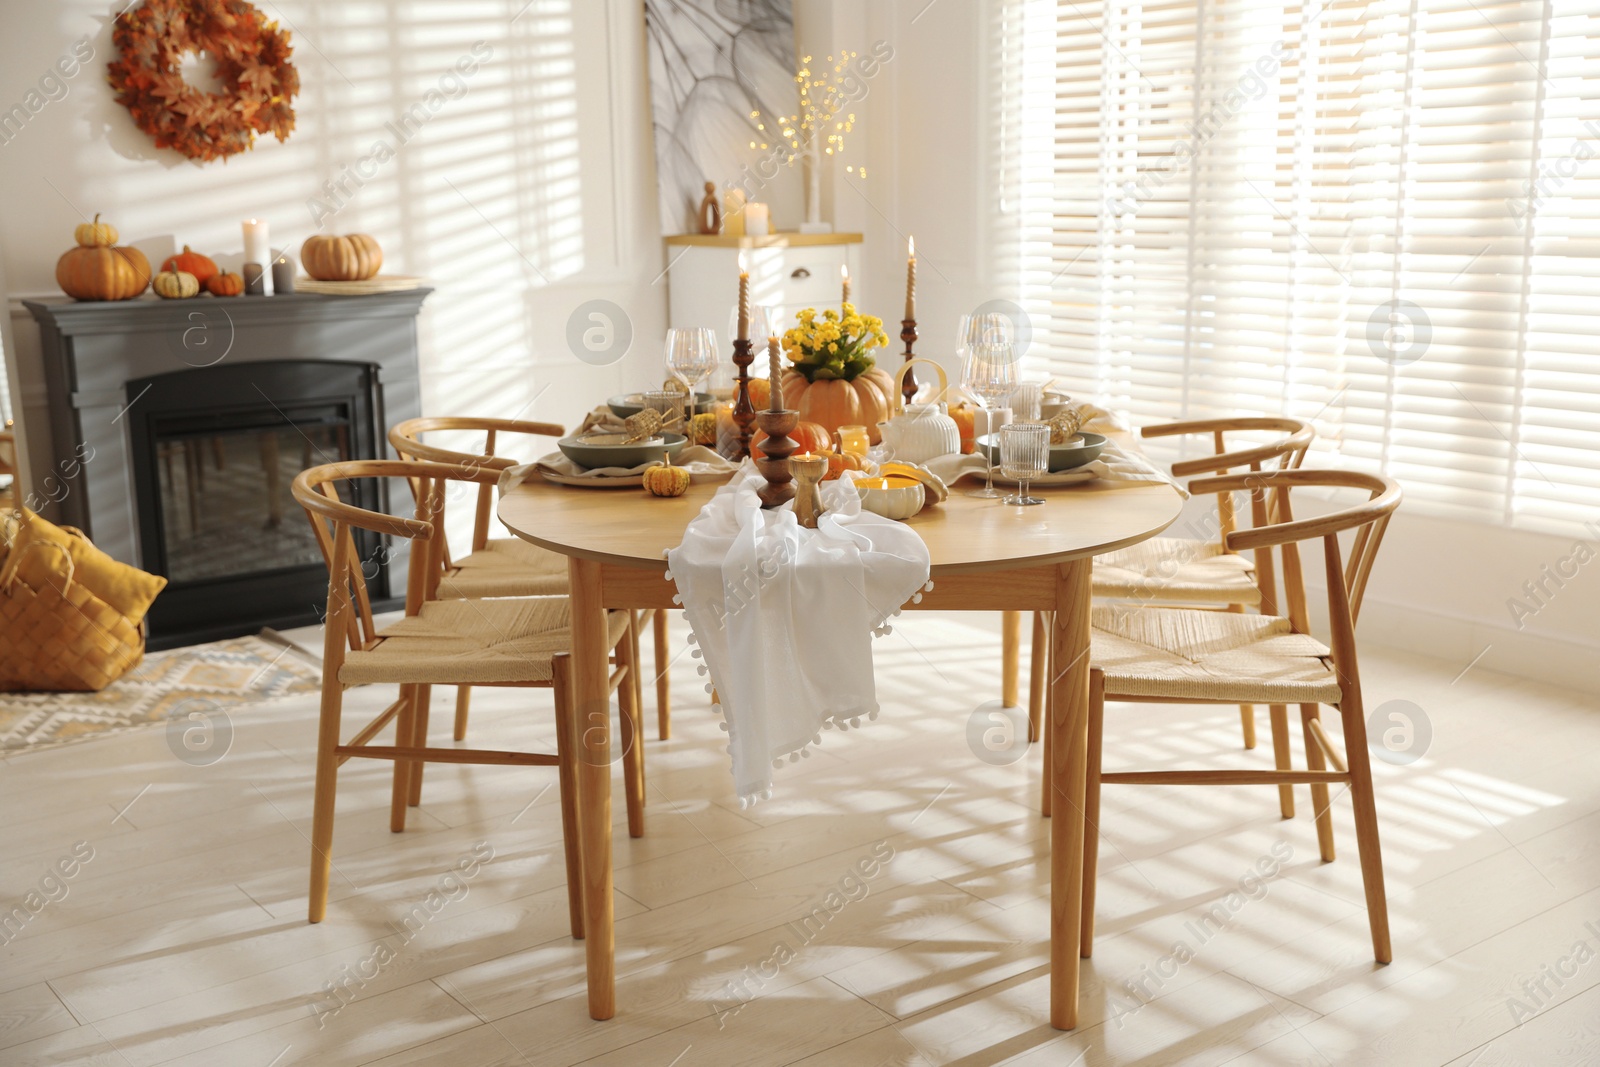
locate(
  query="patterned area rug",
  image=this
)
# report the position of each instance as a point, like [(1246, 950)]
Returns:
[(219, 675)]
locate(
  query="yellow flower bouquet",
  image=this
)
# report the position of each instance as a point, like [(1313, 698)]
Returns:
[(833, 345)]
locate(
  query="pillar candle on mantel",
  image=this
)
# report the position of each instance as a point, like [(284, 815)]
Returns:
[(255, 242), (757, 219), (744, 298), (774, 374), (844, 280), (911, 278)]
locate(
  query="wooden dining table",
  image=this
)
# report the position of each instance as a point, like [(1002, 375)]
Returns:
[(986, 556)]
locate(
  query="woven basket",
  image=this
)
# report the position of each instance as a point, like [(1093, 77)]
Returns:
[(60, 638)]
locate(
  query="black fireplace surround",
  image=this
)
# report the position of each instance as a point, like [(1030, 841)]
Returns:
[(197, 415)]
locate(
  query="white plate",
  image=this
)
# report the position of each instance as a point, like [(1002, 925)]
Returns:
[(635, 481)]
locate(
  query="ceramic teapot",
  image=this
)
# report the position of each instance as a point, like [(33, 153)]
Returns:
[(919, 432)]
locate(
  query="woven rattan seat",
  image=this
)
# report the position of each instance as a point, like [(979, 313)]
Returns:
[(506, 566), (1210, 655), (1177, 569)]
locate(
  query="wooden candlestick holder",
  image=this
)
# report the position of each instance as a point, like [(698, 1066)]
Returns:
[(744, 412), (776, 449), (808, 471), (908, 334)]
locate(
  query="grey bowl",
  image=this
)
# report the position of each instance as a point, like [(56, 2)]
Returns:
[(1062, 457), (624, 404), (591, 454)]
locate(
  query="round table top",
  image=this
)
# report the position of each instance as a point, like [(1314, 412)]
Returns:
[(964, 534)]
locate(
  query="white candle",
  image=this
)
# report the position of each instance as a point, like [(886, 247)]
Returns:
[(844, 278), (733, 213), (744, 298), (256, 249), (774, 375), (757, 220), (911, 278)]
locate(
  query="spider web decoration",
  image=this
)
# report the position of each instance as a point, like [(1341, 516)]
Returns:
[(715, 67)]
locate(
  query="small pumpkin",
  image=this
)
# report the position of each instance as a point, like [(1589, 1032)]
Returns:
[(966, 416), (175, 285), (703, 428), (95, 234), (760, 393), (101, 272), (839, 462), (202, 267), (352, 258), (808, 437), (224, 283), (666, 480)]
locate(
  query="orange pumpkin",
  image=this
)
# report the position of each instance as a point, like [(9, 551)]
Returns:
[(966, 417), (839, 462), (808, 437), (352, 258), (100, 272), (224, 284), (863, 401), (760, 393), (202, 267)]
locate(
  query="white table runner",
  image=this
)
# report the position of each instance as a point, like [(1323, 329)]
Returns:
[(783, 617)]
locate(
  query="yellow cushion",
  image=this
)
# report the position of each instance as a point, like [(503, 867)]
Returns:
[(127, 590)]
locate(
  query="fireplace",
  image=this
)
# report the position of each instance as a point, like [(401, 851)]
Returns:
[(214, 451), (196, 415)]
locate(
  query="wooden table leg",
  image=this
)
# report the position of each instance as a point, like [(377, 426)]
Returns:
[(1010, 652), (591, 692), (1068, 723)]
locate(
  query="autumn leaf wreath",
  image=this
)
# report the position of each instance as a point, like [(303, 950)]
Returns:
[(252, 63)]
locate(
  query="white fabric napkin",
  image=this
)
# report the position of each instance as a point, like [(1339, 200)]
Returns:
[(783, 617), (702, 463)]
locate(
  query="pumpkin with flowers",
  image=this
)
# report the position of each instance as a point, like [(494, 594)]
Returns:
[(832, 378)]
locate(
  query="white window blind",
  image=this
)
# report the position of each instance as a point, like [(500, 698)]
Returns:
[(1380, 215)]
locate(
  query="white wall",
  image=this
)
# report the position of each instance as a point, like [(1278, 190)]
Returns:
[(523, 196)]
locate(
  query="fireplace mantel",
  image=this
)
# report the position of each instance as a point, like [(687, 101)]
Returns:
[(91, 351)]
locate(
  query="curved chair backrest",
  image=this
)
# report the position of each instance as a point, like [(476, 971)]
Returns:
[(1347, 576), (406, 439), (332, 519), (1284, 453)]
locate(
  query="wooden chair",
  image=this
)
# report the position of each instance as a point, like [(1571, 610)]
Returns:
[(1206, 657), (509, 566), (511, 642), (1202, 572)]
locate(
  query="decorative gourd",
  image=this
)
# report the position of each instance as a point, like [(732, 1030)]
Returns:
[(95, 234), (862, 401), (664, 480), (839, 462), (224, 284), (100, 272), (202, 267), (760, 393), (808, 437), (352, 258), (175, 285), (703, 428), (966, 416)]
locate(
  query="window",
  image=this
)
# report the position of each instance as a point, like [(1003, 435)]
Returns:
[(1380, 216)]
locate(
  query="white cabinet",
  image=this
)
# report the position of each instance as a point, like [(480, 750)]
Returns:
[(789, 270)]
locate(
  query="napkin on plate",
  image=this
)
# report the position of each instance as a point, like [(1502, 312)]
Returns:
[(703, 465)]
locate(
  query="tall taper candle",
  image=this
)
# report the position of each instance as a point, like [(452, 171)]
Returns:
[(744, 299), (774, 374), (844, 279), (911, 278)]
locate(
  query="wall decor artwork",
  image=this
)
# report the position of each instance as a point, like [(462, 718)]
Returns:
[(717, 67), (252, 64)]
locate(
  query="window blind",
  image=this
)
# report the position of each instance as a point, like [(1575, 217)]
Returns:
[(1379, 215)]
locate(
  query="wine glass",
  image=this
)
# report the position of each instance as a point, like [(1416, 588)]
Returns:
[(1024, 455), (691, 355), (990, 374)]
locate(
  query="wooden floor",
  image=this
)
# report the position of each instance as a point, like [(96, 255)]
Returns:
[(183, 940)]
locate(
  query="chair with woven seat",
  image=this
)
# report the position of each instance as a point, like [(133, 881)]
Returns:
[(1203, 572), (1191, 656), (508, 566), (519, 642)]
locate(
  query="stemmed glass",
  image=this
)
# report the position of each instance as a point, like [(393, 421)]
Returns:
[(1024, 455), (990, 374), (691, 355)]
